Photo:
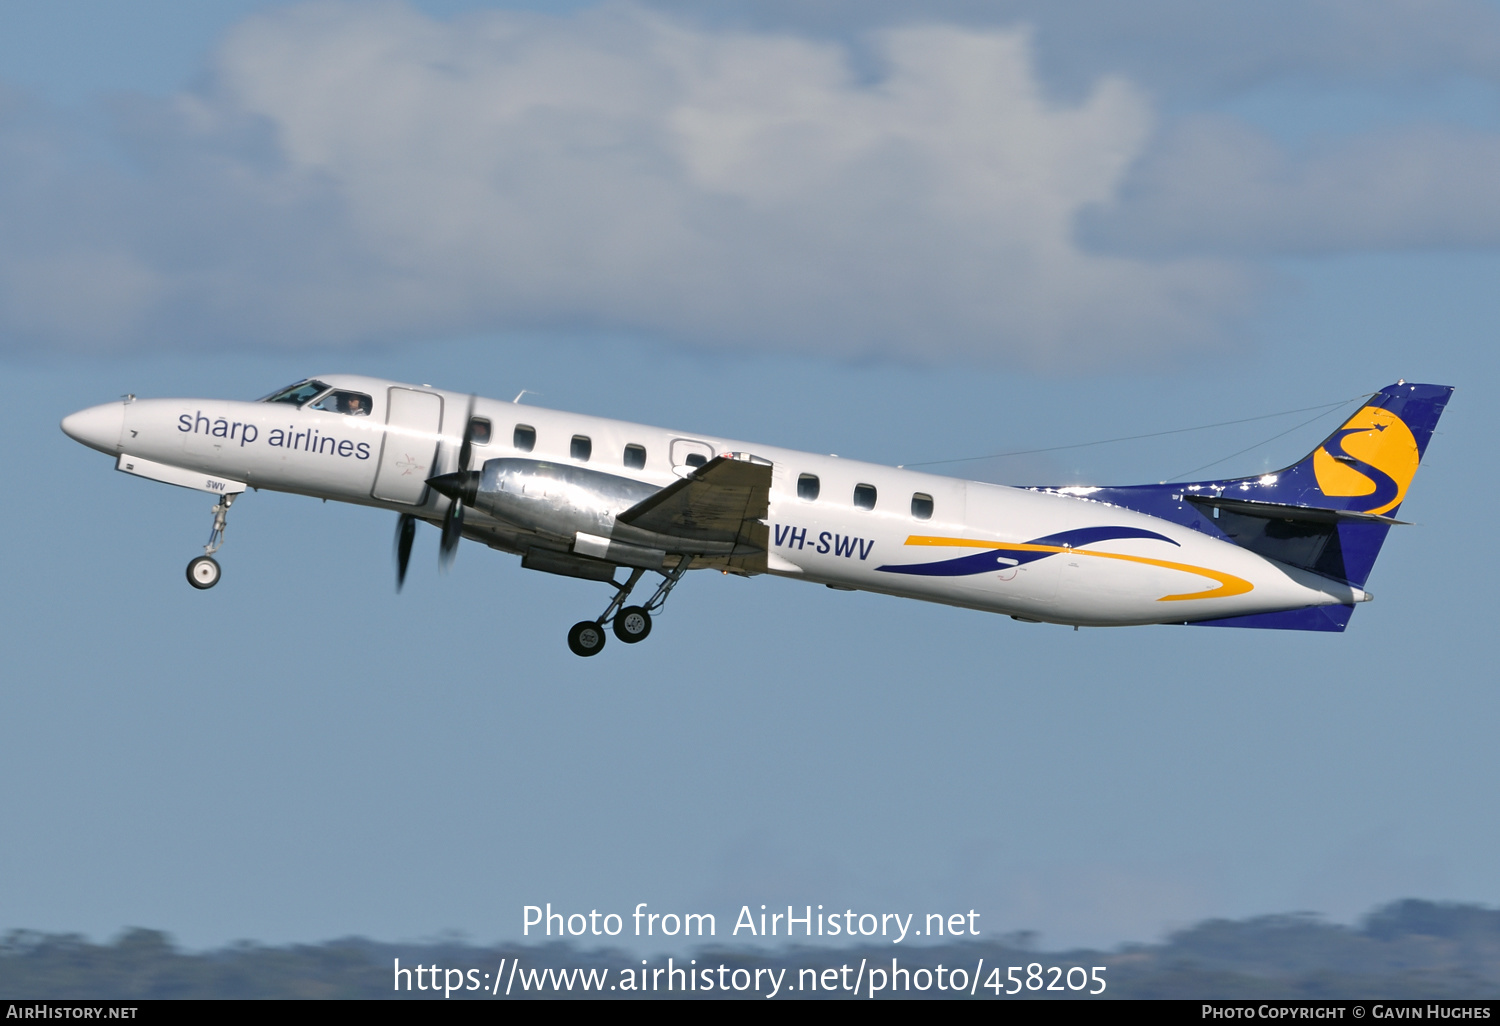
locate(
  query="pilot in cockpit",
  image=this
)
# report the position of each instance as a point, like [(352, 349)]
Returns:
[(351, 404)]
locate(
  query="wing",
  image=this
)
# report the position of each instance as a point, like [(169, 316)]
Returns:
[(723, 503)]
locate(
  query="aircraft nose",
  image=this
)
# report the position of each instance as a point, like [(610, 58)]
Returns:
[(98, 427)]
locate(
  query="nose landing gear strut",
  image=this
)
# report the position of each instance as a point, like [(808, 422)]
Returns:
[(203, 571)]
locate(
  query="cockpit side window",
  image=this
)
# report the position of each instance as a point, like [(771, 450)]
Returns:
[(353, 404), (297, 394)]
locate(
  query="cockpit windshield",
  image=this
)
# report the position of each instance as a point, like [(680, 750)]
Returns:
[(296, 394)]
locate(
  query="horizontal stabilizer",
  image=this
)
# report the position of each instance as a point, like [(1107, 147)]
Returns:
[(1287, 512)]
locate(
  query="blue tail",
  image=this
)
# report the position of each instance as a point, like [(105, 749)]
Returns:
[(1328, 513)]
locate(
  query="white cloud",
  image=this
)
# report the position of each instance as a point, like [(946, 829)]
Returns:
[(1185, 48), (1216, 186), (79, 294), (360, 172)]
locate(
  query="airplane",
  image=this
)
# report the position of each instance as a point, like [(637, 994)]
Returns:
[(590, 497)]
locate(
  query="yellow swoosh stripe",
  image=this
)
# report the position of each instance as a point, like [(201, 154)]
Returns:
[(1228, 583)]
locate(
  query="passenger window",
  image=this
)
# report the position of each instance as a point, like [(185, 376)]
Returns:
[(683, 450), (479, 431), (864, 496), (807, 487), (583, 448), (921, 506), (352, 404), (635, 457), (524, 438)]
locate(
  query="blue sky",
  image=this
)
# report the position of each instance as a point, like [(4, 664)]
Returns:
[(895, 233)]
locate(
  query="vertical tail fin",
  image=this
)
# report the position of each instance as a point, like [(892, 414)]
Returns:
[(1366, 466), (1330, 511), (1362, 471)]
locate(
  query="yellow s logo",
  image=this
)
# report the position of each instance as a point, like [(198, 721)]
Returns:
[(1373, 456)]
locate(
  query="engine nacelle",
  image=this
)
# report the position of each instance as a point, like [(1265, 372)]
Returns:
[(552, 498)]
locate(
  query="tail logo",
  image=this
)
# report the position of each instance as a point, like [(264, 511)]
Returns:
[(1373, 458)]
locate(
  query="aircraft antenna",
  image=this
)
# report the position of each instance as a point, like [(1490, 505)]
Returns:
[(1327, 407), (1267, 441)]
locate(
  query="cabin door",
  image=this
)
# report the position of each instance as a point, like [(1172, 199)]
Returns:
[(413, 421)]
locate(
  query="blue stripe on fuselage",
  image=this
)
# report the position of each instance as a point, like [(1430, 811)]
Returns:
[(992, 559)]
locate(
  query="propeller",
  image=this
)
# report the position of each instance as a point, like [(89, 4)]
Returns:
[(453, 486), (406, 530)]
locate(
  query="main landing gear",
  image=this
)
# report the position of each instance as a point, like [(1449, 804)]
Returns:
[(203, 571), (630, 623)]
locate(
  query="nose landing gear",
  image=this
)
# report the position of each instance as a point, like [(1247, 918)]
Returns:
[(631, 624), (203, 571)]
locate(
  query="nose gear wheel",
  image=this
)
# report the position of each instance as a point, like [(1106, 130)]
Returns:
[(203, 572)]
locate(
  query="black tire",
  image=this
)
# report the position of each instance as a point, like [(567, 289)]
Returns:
[(203, 573), (586, 638), (632, 624)]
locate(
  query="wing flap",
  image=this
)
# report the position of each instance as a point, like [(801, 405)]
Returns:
[(725, 500)]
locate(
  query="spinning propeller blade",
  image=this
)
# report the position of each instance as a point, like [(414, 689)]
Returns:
[(453, 520), (453, 532), (406, 530)]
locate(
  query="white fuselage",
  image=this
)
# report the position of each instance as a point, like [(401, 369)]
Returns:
[(1149, 571)]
